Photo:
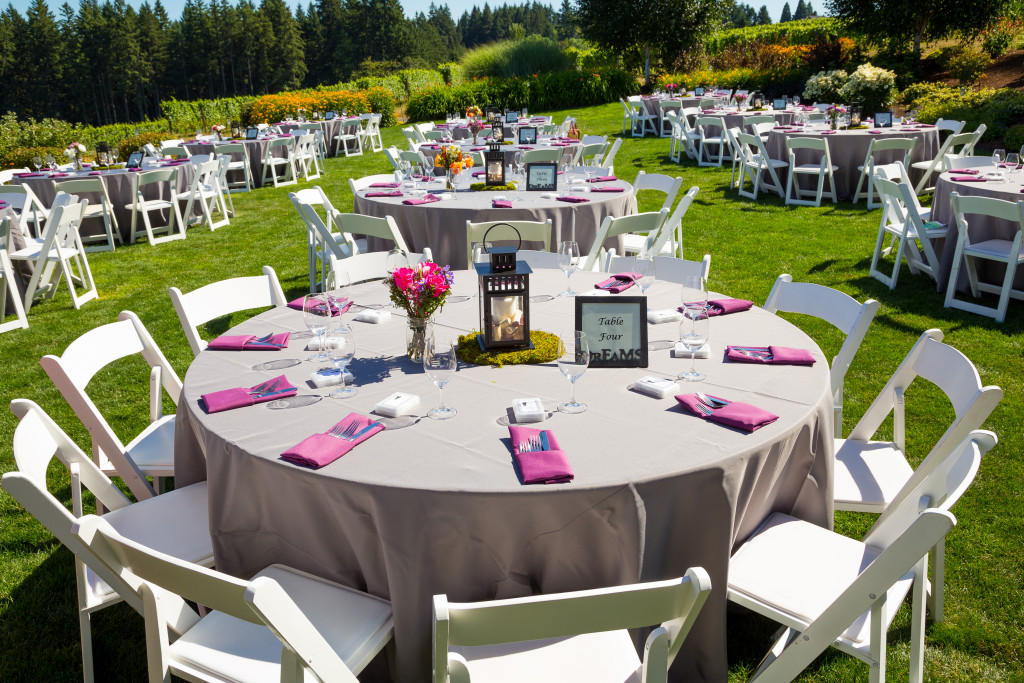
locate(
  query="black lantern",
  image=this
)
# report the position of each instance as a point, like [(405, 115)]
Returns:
[(497, 132), (236, 129), (855, 111), (494, 158), (103, 153), (504, 286), (490, 111), (756, 100)]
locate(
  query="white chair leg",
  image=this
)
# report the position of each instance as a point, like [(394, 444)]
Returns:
[(917, 619), (85, 628), (878, 639), (936, 589)]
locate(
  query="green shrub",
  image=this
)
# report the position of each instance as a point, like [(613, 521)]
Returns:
[(31, 133), (998, 39), (21, 157), (186, 116), (803, 32), (997, 109), (392, 83), (825, 86), (382, 102), (509, 58), (968, 67), (115, 133), (417, 80), (452, 73), (914, 94), (874, 88), (944, 55), (379, 69), (1014, 137)]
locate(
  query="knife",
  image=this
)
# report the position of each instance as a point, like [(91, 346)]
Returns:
[(362, 431), (544, 446), (275, 393)]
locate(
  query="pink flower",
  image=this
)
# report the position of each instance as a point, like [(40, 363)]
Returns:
[(436, 282), (403, 278)]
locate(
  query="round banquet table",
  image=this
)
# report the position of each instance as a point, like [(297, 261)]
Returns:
[(653, 104), (442, 225), (119, 188), (738, 119), (429, 507), (567, 145), (848, 149), (980, 228), (254, 151), (331, 129)]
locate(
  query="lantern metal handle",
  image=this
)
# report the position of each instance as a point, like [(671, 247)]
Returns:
[(518, 234)]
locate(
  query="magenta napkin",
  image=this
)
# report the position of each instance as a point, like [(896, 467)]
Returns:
[(874, 132), (725, 306), (603, 179), (395, 193), (425, 178), (247, 342), (323, 449), (608, 189), (556, 144), (95, 172), (769, 355), (421, 200), (477, 149), (829, 132), (385, 184), (28, 175), (58, 175), (619, 282), (430, 146), (968, 179), (926, 125), (739, 415), (501, 204), (540, 467), (968, 171), (335, 310), (525, 147), (3, 204), (572, 199), (240, 397)]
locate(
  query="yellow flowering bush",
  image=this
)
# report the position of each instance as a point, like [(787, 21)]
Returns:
[(273, 108)]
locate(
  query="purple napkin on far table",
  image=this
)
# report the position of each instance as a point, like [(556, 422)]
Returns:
[(335, 310), (323, 449), (554, 144), (379, 193), (3, 204), (58, 175), (247, 342), (603, 179), (241, 397), (549, 466), (608, 189), (874, 132), (725, 306), (385, 184), (619, 282), (769, 355), (525, 147), (501, 204), (421, 200), (477, 149), (735, 414), (829, 132), (968, 179), (968, 171), (95, 172), (572, 199), (28, 175)]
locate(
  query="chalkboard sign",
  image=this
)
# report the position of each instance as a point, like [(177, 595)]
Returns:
[(616, 328), (883, 119)]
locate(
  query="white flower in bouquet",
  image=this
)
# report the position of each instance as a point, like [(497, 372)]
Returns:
[(874, 87)]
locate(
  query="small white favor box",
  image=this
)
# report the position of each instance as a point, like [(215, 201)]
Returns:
[(667, 315), (528, 410), (658, 387), (373, 315), (398, 403), (329, 377), (680, 351)]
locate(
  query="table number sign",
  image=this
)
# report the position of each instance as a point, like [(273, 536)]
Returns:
[(779, 104), (616, 329), (135, 159), (511, 117), (528, 135), (698, 92), (883, 119), (542, 176), (252, 133)]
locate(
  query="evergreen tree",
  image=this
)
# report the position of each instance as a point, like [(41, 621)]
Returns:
[(567, 22), (42, 59), (801, 11), (288, 61), (763, 17), (787, 14)]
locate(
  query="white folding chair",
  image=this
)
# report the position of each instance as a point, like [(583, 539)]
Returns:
[(176, 523), (538, 259), (734, 154), (650, 223), (669, 241), (654, 182), (865, 188), (646, 120), (607, 159), (350, 138), (24, 202), (902, 222), (394, 156), (165, 179), (577, 636), (9, 281), (869, 474), (823, 170), (316, 249), (102, 208), (369, 266), (671, 269), (1005, 251), (59, 252), (319, 147), (222, 298), (841, 310), (280, 625), (830, 590), (590, 155), (707, 140), (689, 137), (950, 125), (411, 137), (371, 133), (205, 188), (527, 231), (151, 452), (175, 151), (7, 174), (151, 152), (753, 166), (231, 150), (306, 156), (272, 162), (936, 165), (532, 156), (222, 185), (664, 107)]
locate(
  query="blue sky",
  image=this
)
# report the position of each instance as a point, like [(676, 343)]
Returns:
[(457, 7)]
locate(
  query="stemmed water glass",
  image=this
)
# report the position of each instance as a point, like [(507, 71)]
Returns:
[(573, 360), (50, 162), (396, 259), (342, 291), (568, 261), (114, 154), (316, 312), (440, 362), (644, 268), (997, 157), (341, 349), (517, 170), (1012, 162), (37, 162), (694, 330), (796, 100)]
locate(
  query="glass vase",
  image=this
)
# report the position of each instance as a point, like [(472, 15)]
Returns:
[(450, 180), (416, 334)]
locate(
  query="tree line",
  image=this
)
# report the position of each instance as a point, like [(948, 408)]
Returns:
[(111, 63), (742, 15)]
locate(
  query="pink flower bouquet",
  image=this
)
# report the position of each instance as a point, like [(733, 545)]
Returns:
[(420, 290)]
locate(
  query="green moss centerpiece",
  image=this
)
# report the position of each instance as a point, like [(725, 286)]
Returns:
[(484, 187), (545, 350)]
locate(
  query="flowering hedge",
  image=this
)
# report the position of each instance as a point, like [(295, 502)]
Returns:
[(772, 82), (873, 87), (826, 86), (273, 108)]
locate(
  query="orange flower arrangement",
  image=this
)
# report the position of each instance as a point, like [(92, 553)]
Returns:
[(454, 159)]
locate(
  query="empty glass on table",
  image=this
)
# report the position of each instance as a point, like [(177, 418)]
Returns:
[(440, 362), (316, 313), (341, 349), (694, 331), (645, 272), (573, 361), (568, 261)]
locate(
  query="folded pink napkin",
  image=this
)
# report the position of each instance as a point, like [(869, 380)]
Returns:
[(608, 189), (525, 147), (58, 175), (385, 184), (926, 125), (619, 282), (603, 179), (430, 146), (769, 355), (479, 174), (28, 175), (572, 199), (422, 200), (784, 130), (968, 179), (95, 172), (829, 132), (558, 144), (425, 178), (323, 449), (441, 125), (477, 149), (547, 466), (393, 193), (734, 414), (725, 306), (240, 397), (248, 342), (968, 171), (336, 310), (3, 204), (874, 132), (501, 204)]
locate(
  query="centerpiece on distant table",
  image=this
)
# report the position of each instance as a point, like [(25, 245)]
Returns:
[(74, 153), (741, 100), (671, 88), (218, 130), (453, 160), (421, 291), (833, 113)]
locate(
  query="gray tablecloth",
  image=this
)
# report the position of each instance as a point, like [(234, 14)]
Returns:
[(254, 150), (980, 228), (331, 129), (119, 189), (437, 507), (848, 149), (442, 225), (22, 269), (739, 119)]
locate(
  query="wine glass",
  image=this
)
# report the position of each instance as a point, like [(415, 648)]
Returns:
[(568, 261), (997, 156), (114, 154), (316, 312), (342, 291), (481, 252), (517, 170), (37, 162), (695, 290), (573, 359), (396, 259), (341, 349), (694, 330), (1012, 161), (645, 271), (405, 168), (440, 362), (49, 161), (796, 100)]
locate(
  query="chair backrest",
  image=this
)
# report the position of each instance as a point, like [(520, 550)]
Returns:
[(538, 259), (593, 139), (197, 159), (87, 355), (758, 119), (394, 155), (7, 175), (671, 225), (82, 185), (658, 182), (807, 143), (232, 148), (965, 205), (669, 268), (608, 160), (589, 151), (384, 228), (648, 222), (905, 145), (817, 115), (144, 178), (672, 604), (174, 142), (839, 309), (371, 265), (179, 151), (223, 297), (528, 231), (703, 122), (283, 143), (545, 154), (952, 126)]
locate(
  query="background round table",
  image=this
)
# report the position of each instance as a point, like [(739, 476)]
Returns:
[(849, 148), (331, 129), (437, 507), (254, 150), (442, 225)]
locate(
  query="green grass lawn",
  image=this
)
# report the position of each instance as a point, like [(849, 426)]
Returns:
[(750, 244)]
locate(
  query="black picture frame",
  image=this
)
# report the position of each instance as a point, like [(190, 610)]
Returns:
[(698, 92), (252, 133), (134, 160), (494, 168), (528, 135), (779, 103), (511, 117), (330, 116), (497, 132), (883, 119), (616, 329), (542, 176)]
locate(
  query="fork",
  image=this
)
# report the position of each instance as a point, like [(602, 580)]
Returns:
[(703, 409), (710, 402), (264, 387), (531, 445), (339, 432)]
